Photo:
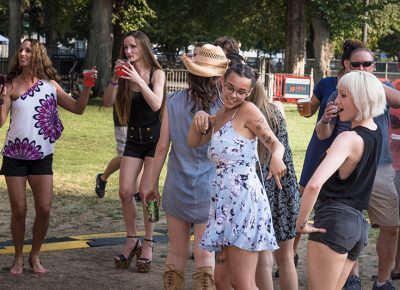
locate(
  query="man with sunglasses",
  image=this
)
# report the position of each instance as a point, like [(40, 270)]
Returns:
[(384, 203)]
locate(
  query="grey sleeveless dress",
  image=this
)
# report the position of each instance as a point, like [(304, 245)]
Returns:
[(187, 188)]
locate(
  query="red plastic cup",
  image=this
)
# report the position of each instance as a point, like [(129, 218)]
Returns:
[(119, 67), (89, 78)]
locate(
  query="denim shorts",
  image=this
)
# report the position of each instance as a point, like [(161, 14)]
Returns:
[(140, 151), (346, 228)]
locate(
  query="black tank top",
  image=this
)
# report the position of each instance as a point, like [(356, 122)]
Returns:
[(356, 189), (141, 114)]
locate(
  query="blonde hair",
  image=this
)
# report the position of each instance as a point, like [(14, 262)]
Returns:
[(270, 111), (123, 100), (367, 92), (42, 67)]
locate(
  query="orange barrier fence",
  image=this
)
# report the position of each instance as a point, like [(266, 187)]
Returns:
[(290, 88)]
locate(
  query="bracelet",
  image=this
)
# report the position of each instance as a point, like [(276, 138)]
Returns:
[(114, 84), (322, 120)]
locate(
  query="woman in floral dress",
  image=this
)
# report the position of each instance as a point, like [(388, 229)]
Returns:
[(31, 96), (240, 223)]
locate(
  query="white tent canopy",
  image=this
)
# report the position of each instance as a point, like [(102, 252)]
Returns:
[(3, 40)]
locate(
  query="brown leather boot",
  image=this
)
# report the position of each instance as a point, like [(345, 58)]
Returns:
[(174, 278), (204, 277)]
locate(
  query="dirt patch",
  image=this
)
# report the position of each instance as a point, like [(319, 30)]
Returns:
[(93, 268)]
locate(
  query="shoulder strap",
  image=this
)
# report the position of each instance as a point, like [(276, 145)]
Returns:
[(234, 114), (151, 74)]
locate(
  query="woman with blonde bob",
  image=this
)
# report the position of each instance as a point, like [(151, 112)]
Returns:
[(341, 186)]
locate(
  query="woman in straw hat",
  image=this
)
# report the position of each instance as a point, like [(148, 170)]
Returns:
[(187, 188), (240, 223), (138, 87)]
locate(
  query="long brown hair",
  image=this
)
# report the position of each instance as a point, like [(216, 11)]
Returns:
[(270, 111), (123, 100), (42, 67), (203, 91)]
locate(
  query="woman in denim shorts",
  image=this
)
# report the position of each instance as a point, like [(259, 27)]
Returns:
[(138, 85), (341, 187)]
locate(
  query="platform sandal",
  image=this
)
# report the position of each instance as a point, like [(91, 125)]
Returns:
[(17, 261), (143, 265), (123, 262), (35, 260)]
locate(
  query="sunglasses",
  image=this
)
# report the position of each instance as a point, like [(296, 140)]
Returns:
[(361, 63)]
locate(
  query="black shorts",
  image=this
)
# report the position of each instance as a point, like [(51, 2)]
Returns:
[(17, 167), (346, 228), (140, 151)]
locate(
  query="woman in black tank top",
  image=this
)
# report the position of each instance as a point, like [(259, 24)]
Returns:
[(138, 88), (341, 186)]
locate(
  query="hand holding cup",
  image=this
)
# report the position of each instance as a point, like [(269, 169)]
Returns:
[(119, 67), (89, 77), (330, 112), (304, 107)]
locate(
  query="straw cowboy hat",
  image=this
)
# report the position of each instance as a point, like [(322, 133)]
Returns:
[(210, 62)]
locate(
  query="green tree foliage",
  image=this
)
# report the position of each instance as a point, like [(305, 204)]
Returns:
[(346, 18), (391, 43), (132, 15), (179, 23), (175, 26), (128, 15)]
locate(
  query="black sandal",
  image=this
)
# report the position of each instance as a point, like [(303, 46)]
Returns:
[(143, 264), (124, 262)]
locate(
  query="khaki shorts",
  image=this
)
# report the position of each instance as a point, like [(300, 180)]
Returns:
[(120, 138), (383, 208)]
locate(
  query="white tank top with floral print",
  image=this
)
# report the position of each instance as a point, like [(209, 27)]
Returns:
[(34, 123)]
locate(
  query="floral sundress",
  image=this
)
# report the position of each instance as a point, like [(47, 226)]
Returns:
[(240, 215)]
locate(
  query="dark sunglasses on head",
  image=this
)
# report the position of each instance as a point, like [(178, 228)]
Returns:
[(362, 63)]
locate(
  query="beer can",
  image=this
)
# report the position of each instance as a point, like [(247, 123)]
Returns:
[(152, 211)]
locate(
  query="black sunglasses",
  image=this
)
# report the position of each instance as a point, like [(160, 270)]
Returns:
[(361, 63)]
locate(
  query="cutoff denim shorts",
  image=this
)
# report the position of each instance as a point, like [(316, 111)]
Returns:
[(346, 228)]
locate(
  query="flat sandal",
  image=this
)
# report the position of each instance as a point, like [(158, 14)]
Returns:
[(17, 260)]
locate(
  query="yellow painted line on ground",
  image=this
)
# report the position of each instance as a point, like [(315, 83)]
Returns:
[(98, 236), (109, 235), (58, 246)]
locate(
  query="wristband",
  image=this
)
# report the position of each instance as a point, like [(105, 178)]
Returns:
[(322, 120), (114, 84)]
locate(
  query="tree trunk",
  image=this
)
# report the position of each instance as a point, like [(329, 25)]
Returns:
[(323, 49), (296, 23), (100, 42), (51, 14), (118, 34), (14, 28)]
